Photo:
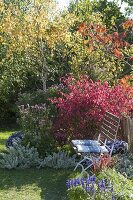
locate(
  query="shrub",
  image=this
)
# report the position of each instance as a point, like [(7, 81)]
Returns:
[(123, 187), (89, 188), (125, 165), (36, 127), (19, 156), (107, 185), (40, 97), (81, 110), (36, 119), (59, 160), (37, 97)]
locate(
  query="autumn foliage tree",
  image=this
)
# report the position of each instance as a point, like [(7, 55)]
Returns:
[(114, 46), (82, 108)]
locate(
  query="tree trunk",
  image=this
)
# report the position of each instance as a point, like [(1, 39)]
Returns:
[(44, 79), (44, 73)]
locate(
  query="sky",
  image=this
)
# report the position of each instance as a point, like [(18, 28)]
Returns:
[(64, 3)]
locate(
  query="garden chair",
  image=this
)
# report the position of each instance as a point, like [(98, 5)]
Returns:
[(91, 150)]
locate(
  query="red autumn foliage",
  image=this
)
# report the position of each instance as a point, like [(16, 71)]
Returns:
[(131, 58), (103, 162), (118, 54), (128, 24), (113, 44), (125, 82), (82, 28), (116, 34), (81, 110)]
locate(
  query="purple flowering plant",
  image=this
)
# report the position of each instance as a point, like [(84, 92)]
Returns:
[(17, 136), (90, 188), (36, 126)]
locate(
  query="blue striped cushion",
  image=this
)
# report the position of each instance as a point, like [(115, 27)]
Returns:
[(91, 149), (85, 142)]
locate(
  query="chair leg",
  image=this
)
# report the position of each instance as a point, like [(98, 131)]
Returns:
[(83, 168), (79, 164)]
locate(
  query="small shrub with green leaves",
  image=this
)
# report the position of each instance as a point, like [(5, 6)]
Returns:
[(36, 126), (107, 185), (40, 97), (59, 160), (125, 165), (123, 187), (19, 156), (37, 97)]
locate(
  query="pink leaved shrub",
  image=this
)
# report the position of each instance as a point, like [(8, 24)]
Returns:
[(82, 108)]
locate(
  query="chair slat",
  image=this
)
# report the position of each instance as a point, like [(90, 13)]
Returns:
[(109, 129), (107, 136), (107, 118), (113, 126), (107, 133), (115, 118)]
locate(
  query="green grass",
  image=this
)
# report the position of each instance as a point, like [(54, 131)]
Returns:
[(31, 184), (3, 137)]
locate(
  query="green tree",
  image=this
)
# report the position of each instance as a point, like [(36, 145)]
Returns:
[(110, 11), (29, 53)]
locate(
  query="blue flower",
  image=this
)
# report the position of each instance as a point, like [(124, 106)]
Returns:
[(113, 198), (69, 183), (76, 182), (14, 137), (101, 185), (83, 182), (93, 178)]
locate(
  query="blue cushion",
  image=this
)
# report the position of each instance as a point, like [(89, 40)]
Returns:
[(91, 149), (119, 146), (85, 142)]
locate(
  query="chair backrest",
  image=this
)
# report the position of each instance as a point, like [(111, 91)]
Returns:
[(109, 127)]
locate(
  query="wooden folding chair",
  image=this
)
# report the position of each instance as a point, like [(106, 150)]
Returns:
[(90, 150)]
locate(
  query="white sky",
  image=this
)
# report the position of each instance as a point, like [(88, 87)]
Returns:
[(64, 3)]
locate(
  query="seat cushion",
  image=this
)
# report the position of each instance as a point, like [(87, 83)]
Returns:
[(91, 149), (119, 146), (85, 142)]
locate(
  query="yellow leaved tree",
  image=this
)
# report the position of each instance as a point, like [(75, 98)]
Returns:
[(33, 33)]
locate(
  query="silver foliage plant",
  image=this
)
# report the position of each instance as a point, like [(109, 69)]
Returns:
[(125, 165), (20, 156), (58, 160)]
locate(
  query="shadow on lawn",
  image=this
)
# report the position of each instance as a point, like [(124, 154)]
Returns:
[(50, 182), (2, 141)]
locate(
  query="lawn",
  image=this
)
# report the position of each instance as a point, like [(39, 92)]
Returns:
[(4, 134), (31, 184)]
